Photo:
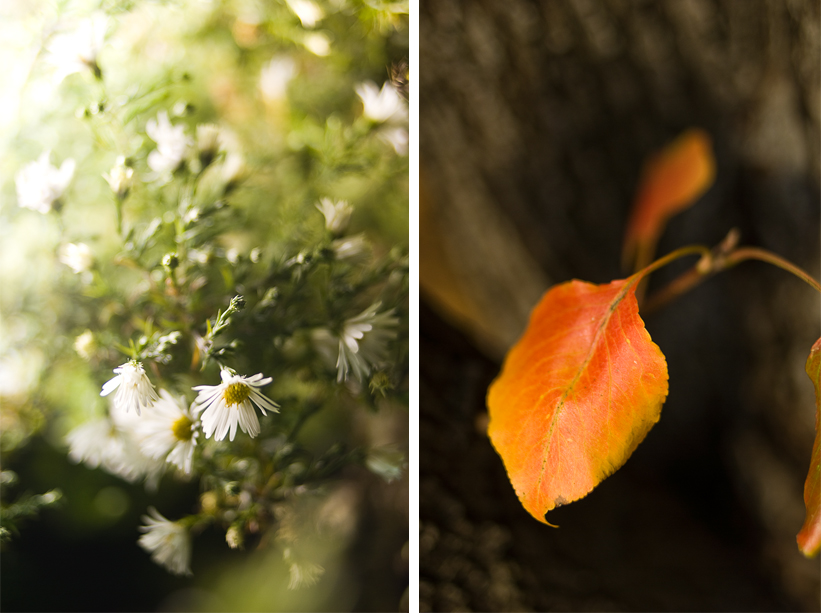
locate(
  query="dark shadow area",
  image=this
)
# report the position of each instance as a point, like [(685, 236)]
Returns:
[(653, 537)]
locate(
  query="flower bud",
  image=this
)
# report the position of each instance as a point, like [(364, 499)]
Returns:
[(237, 303), (119, 178)]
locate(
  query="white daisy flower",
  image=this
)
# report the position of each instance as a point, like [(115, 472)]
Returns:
[(40, 185), (350, 249), (337, 214), (172, 144), (361, 345), (76, 256), (134, 390), (364, 342), (275, 76), (105, 443), (229, 404), (384, 105), (168, 542), (167, 431), (95, 443), (308, 12), (77, 50)]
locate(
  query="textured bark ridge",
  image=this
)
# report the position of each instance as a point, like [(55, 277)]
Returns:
[(536, 118)]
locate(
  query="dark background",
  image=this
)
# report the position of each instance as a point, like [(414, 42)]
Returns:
[(535, 119), (74, 558)]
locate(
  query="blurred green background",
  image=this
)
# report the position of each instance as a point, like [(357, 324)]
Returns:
[(302, 136)]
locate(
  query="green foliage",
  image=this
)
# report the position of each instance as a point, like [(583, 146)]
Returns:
[(205, 137), (27, 505)]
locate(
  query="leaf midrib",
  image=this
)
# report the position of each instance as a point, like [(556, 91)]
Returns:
[(548, 438)]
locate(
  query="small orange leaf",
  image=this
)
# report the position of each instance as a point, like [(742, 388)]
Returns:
[(577, 393), (809, 539), (672, 180)]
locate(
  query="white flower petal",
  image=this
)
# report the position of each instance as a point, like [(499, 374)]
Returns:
[(168, 542), (381, 106), (362, 343), (40, 185)]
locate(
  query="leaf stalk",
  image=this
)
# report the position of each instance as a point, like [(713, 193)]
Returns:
[(723, 256)]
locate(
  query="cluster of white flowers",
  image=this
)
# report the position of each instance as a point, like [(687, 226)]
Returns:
[(165, 428), (350, 249), (135, 447), (386, 107), (40, 185), (77, 50), (178, 173)]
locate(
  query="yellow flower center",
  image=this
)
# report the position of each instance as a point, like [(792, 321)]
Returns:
[(182, 429), (236, 393)]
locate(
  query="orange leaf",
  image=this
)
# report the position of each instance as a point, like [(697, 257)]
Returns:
[(577, 393), (809, 539), (672, 180)]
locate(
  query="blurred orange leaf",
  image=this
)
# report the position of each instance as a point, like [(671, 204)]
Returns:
[(809, 538), (577, 393), (672, 180)]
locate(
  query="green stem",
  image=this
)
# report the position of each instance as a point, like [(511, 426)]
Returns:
[(119, 206), (712, 263), (672, 256), (753, 253), (307, 412), (646, 269)]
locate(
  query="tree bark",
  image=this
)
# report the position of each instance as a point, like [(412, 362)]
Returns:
[(535, 119)]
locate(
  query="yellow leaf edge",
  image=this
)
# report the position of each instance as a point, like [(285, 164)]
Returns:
[(809, 537)]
